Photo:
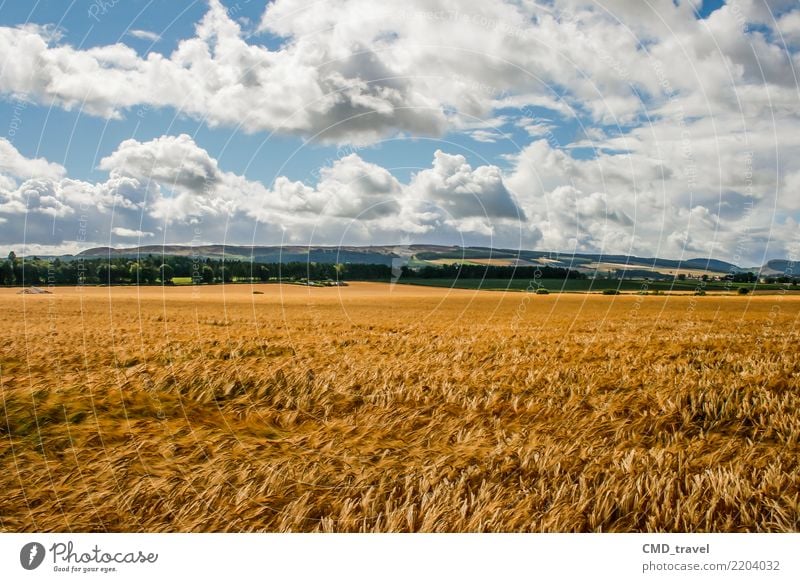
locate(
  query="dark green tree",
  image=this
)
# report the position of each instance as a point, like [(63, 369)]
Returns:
[(165, 273)]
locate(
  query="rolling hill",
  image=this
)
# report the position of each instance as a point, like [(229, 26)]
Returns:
[(420, 255)]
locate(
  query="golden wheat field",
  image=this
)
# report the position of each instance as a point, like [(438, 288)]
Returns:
[(376, 408)]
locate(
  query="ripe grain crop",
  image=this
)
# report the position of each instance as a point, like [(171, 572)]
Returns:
[(376, 408)]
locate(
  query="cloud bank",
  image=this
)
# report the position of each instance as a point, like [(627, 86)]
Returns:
[(170, 189), (691, 125)]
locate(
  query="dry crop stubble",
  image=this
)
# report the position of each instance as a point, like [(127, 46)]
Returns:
[(394, 408)]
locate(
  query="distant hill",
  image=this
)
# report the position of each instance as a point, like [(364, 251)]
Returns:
[(379, 255), (778, 267), (419, 255)]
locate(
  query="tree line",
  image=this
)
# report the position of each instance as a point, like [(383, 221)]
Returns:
[(156, 269)]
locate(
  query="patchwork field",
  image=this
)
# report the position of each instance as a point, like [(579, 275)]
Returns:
[(379, 408)]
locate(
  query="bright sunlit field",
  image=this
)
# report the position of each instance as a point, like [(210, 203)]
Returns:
[(396, 408)]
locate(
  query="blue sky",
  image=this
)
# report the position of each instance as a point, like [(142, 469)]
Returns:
[(563, 128), (79, 141)]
